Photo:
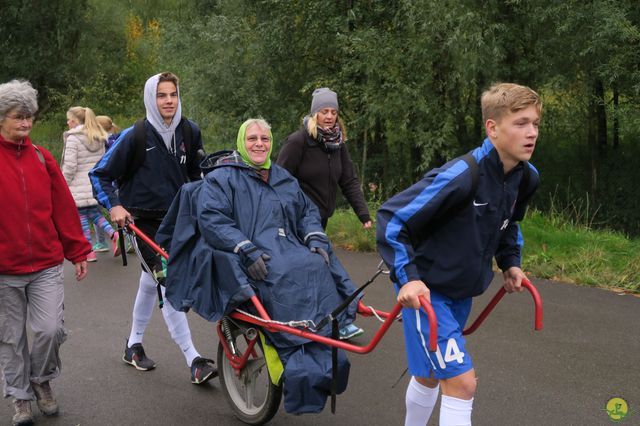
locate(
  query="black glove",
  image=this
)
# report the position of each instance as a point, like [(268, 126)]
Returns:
[(319, 246), (253, 259), (258, 269)]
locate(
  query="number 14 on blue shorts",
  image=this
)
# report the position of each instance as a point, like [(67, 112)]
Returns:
[(451, 358)]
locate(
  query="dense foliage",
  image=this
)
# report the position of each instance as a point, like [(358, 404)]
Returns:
[(409, 75), (555, 248)]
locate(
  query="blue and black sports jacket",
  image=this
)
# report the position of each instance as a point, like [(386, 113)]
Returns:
[(428, 233), (150, 190)]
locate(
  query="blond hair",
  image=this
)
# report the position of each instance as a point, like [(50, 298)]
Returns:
[(312, 127), (85, 116), (503, 98), (168, 76), (107, 124)]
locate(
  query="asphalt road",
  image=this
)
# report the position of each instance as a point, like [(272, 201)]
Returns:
[(587, 353)]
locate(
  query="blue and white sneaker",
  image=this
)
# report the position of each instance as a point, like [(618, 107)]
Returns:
[(350, 331), (100, 247)]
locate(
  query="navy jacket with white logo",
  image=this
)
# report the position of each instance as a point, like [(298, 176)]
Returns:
[(150, 191), (427, 232)]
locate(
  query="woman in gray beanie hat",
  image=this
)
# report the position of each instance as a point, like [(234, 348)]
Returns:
[(317, 156)]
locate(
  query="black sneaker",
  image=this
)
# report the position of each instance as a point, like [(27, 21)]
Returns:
[(202, 370), (135, 356)]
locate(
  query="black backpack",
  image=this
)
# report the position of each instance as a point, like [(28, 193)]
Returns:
[(140, 150)]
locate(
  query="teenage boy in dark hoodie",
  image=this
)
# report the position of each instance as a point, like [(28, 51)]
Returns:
[(439, 244), (143, 196)]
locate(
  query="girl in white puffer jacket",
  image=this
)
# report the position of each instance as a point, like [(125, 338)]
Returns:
[(84, 144)]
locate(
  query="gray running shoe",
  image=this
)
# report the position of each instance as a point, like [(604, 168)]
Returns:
[(202, 370), (135, 356)]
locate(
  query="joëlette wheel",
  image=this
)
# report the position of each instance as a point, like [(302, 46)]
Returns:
[(252, 395)]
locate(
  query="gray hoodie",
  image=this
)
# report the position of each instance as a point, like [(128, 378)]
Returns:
[(153, 115)]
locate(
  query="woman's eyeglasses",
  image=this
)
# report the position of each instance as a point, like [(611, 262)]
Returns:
[(21, 117), (254, 139)]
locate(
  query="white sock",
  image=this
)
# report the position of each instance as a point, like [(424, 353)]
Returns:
[(419, 400), (143, 308), (455, 411), (179, 330)]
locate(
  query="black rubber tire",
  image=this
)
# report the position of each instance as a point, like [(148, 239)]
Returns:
[(269, 403)]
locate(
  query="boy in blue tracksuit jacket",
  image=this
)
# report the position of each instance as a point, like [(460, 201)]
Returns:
[(144, 194), (439, 246)]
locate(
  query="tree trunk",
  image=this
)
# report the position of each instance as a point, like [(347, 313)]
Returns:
[(478, 128), (601, 114), (592, 144), (365, 139), (351, 23), (616, 123)]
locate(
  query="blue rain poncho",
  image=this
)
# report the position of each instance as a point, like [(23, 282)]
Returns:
[(232, 210)]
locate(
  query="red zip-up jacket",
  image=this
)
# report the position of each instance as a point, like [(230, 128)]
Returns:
[(39, 222)]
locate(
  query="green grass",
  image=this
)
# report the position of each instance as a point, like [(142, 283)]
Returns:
[(563, 251), (49, 135), (346, 231), (555, 248)]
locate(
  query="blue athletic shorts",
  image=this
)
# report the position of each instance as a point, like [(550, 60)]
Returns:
[(451, 358)]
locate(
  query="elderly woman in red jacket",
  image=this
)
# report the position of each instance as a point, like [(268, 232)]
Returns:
[(39, 228)]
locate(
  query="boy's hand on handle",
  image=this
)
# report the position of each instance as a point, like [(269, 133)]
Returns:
[(120, 215), (513, 279), (409, 293)]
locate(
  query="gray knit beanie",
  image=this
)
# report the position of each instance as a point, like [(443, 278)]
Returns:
[(323, 98)]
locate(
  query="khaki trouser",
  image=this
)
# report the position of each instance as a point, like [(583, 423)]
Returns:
[(39, 299)]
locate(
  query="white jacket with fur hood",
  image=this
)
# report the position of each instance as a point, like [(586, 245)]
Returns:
[(79, 155)]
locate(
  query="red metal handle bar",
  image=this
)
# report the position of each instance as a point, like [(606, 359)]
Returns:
[(537, 301), (366, 311), (390, 317), (433, 322), (433, 328), (148, 240)]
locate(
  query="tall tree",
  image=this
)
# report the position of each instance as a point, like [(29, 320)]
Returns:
[(36, 34)]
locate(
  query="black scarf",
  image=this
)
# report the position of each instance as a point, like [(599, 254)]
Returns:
[(331, 138)]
